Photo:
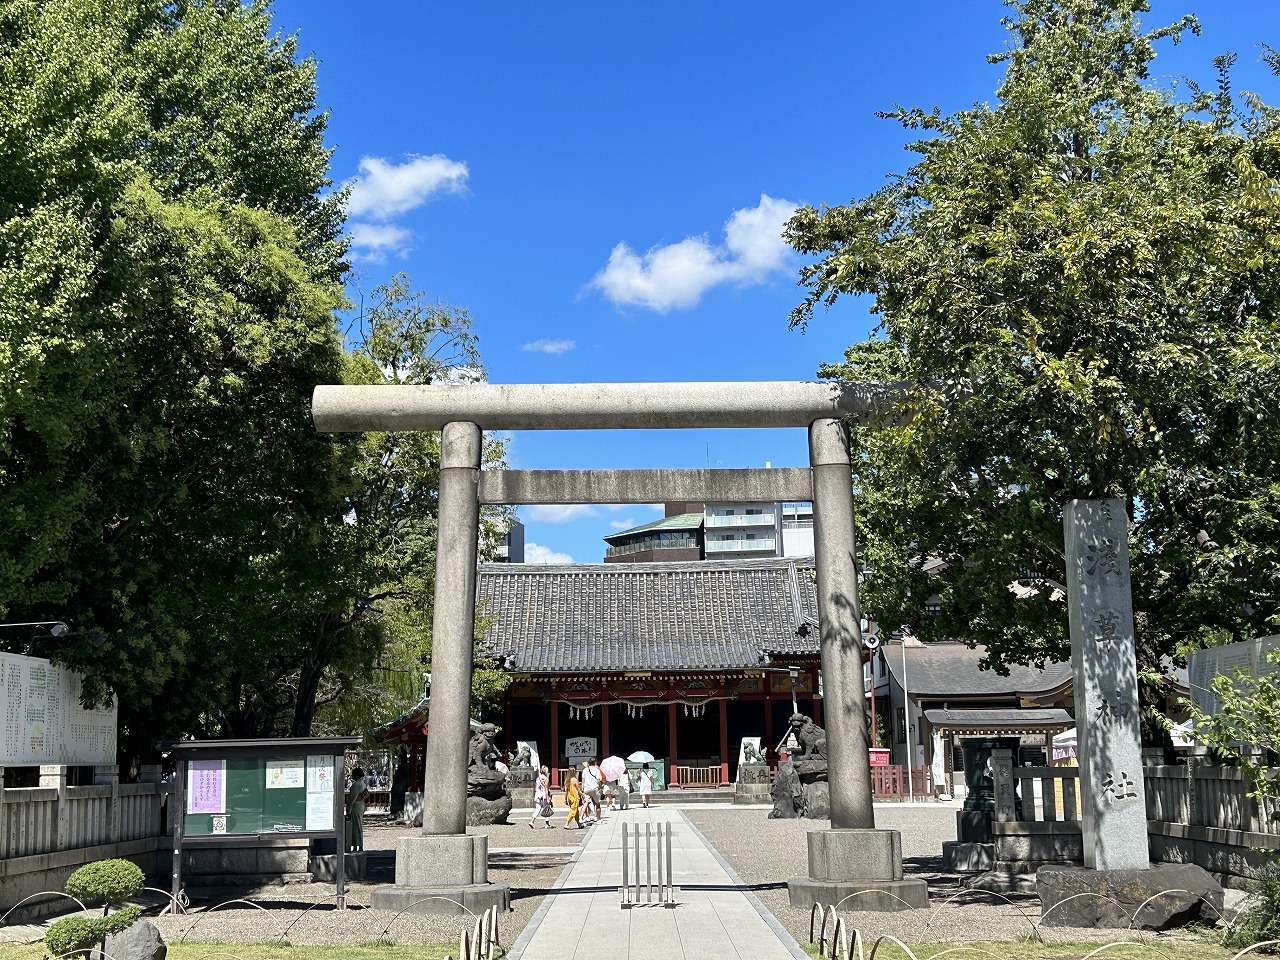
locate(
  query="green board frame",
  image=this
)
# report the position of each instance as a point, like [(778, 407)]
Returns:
[(251, 808), (231, 803)]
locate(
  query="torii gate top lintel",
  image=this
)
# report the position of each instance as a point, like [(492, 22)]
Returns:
[(595, 406)]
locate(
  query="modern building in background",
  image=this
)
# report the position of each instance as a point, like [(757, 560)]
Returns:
[(511, 547), (717, 531)]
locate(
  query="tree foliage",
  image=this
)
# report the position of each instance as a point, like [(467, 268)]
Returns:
[(171, 269), (1080, 280)]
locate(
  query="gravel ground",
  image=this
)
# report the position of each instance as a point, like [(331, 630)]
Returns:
[(530, 869), (766, 853)]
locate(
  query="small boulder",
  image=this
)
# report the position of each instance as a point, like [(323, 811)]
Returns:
[(1123, 898), (142, 941), (481, 812)]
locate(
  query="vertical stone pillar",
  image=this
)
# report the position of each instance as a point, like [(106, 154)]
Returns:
[(444, 807), (852, 858), (108, 775), (1006, 797), (1113, 794), (446, 870), (835, 554), (4, 820), (55, 776)]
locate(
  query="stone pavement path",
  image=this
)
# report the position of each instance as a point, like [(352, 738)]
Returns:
[(716, 918)]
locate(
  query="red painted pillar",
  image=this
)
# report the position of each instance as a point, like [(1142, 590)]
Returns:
[(604, 732), (555, 744), (672, 744), (724, 743)]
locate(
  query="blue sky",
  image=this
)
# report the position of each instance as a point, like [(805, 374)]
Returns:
[(600, 184)]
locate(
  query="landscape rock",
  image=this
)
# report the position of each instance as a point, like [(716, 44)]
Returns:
[(142, 941), (1190, 895), (481, 812)]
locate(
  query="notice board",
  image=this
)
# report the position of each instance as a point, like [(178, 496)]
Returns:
[(246, 795)]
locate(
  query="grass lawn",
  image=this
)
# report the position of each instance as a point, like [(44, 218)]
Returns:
[(262, 951), (1031, 950)]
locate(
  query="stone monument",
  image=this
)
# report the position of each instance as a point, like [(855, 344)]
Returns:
[(1108, 732), (752, 784), (488, 799), (802, 789)]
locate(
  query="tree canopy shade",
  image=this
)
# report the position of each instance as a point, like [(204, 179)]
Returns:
[(1082, 278)]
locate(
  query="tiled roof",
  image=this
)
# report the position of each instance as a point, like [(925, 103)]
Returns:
[(996, 721), (609, 618), (951, 668), (681, 521)]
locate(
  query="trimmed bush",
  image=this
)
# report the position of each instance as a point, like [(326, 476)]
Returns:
[(105, 881), (73, 933)]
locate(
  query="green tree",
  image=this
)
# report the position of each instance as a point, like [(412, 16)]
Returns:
[(171, 257), (372, 652), (1081, 282)]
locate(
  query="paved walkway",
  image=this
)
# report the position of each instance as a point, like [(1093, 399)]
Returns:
[(716, 918)]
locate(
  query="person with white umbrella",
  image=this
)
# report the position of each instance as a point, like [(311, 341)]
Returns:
[(615, 772)]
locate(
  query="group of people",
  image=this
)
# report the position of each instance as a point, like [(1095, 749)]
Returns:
[(586, 793)]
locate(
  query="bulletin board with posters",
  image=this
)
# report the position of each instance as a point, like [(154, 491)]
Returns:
[(239, 792)]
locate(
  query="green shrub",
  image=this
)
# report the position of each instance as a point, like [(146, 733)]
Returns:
[(1261, 920), (84, 933), (105, 881), (73, 933)]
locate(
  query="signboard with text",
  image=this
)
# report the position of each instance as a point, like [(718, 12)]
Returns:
[(42, 720)]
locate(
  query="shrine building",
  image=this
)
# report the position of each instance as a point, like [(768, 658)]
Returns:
[(678, 659)]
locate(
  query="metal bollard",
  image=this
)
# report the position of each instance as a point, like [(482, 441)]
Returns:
[(648, 863)]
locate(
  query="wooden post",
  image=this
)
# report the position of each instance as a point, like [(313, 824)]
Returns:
[(604, 731), (724, 743), (555, 744), (673, 779), (769, 742), (176, 812)]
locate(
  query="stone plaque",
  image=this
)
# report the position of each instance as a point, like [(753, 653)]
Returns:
[(1113, 796)]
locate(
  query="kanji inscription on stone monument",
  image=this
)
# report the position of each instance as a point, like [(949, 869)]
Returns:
[(1106, 685)]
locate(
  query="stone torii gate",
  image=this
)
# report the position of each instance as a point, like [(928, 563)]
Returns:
[(445, 864)]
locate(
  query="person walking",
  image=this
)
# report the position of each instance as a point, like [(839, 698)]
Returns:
[(591, 787), (542, 806), (645, 783), (357, 797), (622, 789), (573, 800)]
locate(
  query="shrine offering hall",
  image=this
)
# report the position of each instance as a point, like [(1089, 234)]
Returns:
[(680, 660)]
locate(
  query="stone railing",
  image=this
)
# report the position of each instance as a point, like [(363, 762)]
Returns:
[(1196, 813)]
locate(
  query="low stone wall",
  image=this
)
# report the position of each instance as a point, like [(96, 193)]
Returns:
[(243, 863), (21, 877), (1232, 856)]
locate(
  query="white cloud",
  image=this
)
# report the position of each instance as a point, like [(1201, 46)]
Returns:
[(678, 274), (560, 512), (537, 553), (384, 189), (626, 523), (373, 241), (554, 348)]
